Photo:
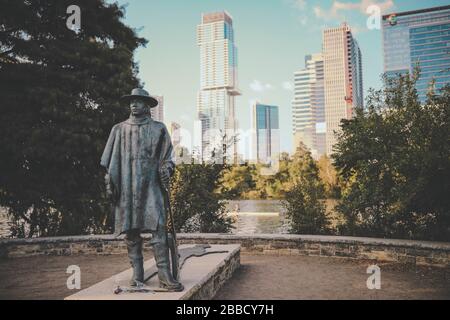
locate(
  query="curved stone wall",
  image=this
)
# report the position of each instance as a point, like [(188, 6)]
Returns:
[(403, 251)]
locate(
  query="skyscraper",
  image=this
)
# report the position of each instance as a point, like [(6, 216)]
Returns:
[(265, 125), (343, 79), (218, 82), (418, 37), (158, 112), (181, 153), (308, 106), (175, 133)]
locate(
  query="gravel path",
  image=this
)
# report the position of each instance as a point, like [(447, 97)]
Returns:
[(297, 277), (260, 277)]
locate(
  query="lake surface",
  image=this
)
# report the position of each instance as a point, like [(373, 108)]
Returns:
[(266, 216), (258, 216), (250, 217)]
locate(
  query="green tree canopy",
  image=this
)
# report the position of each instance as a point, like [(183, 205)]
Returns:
[(196, 205), (304, 200), (394, 162), (59, 93)]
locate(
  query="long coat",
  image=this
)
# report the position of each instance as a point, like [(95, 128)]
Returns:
[(133, 156)]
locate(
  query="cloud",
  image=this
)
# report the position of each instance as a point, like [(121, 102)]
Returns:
[(364, 4), (287, 85), (300, 4), (302, 7), (323, 14), (258, 86), (336, 9), (303, 20)]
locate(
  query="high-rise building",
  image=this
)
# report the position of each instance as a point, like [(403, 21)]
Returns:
[(175, 133), (265, 125), (418, 37), (218, 83), (343, 79), (181, 154), (308, 106), (158, 112)]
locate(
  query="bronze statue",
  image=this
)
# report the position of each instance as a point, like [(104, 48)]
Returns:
[(138, 160)]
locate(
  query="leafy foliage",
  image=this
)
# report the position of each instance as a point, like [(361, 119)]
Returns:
[(394, 161), (195, 204), (59, 93), (238, 181), (304, 201), (329, 177)]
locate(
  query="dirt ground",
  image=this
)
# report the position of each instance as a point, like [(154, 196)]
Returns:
[(259, 277), (297, 277), (45, 277)]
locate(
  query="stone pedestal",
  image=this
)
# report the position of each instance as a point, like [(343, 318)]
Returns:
[(201, 276)]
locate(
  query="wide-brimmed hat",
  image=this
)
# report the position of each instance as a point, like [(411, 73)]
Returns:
[(140, 94)]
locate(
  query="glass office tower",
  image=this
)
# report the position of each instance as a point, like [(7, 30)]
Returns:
[(420, 37), (265, 123)]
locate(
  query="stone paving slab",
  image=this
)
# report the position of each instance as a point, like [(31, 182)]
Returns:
[(202, 277)]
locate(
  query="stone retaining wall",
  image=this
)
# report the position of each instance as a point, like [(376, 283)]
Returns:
[(403, 251), (214, 281)]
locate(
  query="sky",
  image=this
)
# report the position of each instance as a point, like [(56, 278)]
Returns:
[(272, 37)]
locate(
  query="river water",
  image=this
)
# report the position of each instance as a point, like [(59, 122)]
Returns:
[(258, 216), (250, 217), (267, 216)]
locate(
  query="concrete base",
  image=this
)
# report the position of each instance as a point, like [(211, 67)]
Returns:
[(202, 277)]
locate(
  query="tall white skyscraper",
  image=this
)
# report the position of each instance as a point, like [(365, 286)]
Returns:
[(218, 83), (343, 79), (308, 106), (158, 112)]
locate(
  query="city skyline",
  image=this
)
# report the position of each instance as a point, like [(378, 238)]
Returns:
[(270, 49)]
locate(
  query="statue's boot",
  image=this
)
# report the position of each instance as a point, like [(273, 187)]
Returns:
[(136, 260), (166, 280)]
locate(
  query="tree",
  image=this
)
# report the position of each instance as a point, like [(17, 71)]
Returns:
[(304, 201), (237, 182), (59, 93), (329, 177), (394, 160), (195, 204)]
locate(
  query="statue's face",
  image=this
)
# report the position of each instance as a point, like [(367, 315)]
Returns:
[(138, 107)]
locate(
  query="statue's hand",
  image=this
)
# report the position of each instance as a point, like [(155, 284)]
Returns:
[(110, 190), (111, 194), (164, 175)]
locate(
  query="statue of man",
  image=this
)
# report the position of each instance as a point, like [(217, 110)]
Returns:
[(138, 160)]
